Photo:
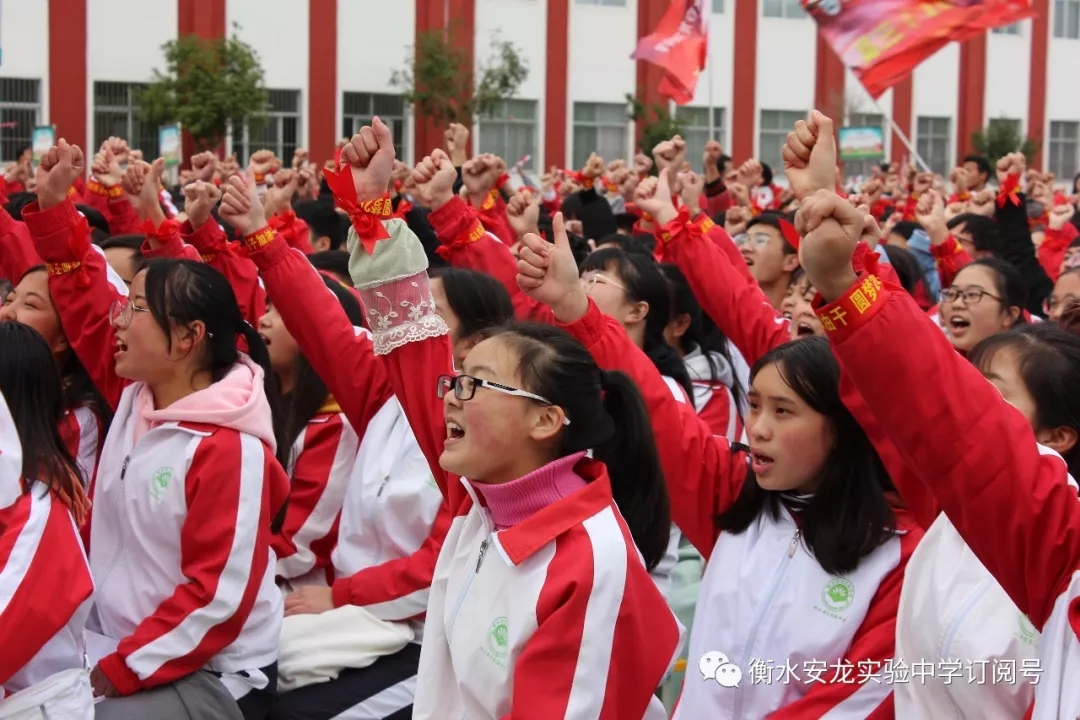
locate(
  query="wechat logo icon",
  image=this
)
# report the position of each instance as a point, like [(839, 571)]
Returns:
[(714, 665)]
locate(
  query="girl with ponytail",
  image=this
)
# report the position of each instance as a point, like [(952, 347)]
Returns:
[(540, 600), (188, 484)]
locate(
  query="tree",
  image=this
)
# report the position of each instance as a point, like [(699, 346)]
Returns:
[(657, 123), (439, 80), (1000, 138), (206, 84)]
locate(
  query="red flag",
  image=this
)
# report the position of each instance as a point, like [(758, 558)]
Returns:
[(883, 40), (679, 45)]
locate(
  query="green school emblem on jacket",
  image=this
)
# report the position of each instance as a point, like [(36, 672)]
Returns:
[(159, 482), (498, 641), (1028, 633), (838, 594)]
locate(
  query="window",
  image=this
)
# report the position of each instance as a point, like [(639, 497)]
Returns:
[(602, 129), (360, 108), (1064, 148), (855, 168), (1013, 29), (785, 9), (510, 132), (932, 143), (619, 3), (775, 125), (695, 123), (718, 6), (280, 132), (116, 113), (20, 107), (1067, 19)]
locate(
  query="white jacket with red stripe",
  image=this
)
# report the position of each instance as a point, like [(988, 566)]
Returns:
[(555, 617), (45, 584), (322, 463), (713, 399), (82, 433), (180, 547)]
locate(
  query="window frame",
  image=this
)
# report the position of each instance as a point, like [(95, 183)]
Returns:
[(487, 125), (599, 125), (148, 143), (789, 10), (17, 106), (695, 149), (1056, 155), (926, 151), (242, 146), (1063, 12), (776, 161), (398, 123)]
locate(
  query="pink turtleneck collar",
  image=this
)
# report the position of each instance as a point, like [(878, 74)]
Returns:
[(518, 500)]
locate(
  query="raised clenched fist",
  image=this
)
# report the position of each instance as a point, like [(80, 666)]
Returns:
[(241, 207), (262, 162), (203, 165), (119, 149), (523, 212), (930, 212), (106, 167), (594, 168), (142, 182), (1061, 214), (279, 197), (670, 153), (831, 228), (642, 164), (199, 199), (691, 187), (478, 175), (1011, 164), (434, 177), (809, 155), (982, 202), (60, 167), (370, 157), (299, 158)]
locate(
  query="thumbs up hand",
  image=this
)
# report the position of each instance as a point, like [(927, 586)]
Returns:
[(548, 273)]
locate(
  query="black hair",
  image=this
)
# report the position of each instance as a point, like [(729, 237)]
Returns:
[(17, 201), (608, 416), (702, 331), (626, 243), (849, 515), (1049, 364), (983, 230), (645, 283), (479, 300), (77, 387), (31, 385), (183, 291), (905, 228), (128, 242), (981, 162), (772, 219), (766, 174), (1009, 284), (94, 219), (324, 221), (309, 393), (906, 266), (335, 262)]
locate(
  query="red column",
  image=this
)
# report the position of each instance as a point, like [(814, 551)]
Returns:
[(205, 19), (901, 114), (556, 98), (67, 71), (971, 102), (649, 75), (433, 15), (829, 82), (744, 89), (1040, 47), (322, 80)]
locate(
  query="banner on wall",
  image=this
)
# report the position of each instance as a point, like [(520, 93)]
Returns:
[(42, 138), (862, 143), (169, 142), (679, 46), (882, 41)]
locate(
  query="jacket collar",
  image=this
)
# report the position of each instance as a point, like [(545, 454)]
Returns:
[(520, 542)]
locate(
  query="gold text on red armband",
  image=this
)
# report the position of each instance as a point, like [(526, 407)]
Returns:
[(379, 207), (259, 240), (707, 224), (489, 201), (476, 232), (62, 268), (858, 302)]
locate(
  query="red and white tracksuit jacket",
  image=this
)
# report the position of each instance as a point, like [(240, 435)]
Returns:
[(1010, 502), (713, 399), (45, 593), (530, 633), (320, 467), (180, 547), (82, 433), (767, 598), (393, 516)]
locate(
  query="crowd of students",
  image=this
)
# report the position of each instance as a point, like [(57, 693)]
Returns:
[(379, 442)]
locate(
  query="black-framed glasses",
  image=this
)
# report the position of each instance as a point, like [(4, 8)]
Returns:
[(464, 388), (971, 295)]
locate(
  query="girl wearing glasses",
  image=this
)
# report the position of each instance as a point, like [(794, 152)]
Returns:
[(987, 296), (188, 485), (541, 599), (44, 578)]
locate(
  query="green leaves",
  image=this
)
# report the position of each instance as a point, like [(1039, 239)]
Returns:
[(206, 84), (1002, 137), (439, 80), (658, 125)]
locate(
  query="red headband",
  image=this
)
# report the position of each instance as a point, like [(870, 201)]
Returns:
[(791, 235)]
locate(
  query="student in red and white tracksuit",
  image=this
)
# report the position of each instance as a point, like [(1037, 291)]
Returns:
[(541, 605), (45, 584), (180, 533), (779, 583), (393, 518), (1010, 501)]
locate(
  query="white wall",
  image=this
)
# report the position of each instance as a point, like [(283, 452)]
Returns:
[(1008, 56), (856, 99), (280, 36), (24, 39), (131, 50), (936, 91), (366, 60), (523, 23), (1062, 98), (786, 53), (719, 72)]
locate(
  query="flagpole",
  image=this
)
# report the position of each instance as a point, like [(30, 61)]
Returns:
[(895, 128), (709, 67)]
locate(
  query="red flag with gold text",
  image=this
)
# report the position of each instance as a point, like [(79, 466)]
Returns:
[(882, 41), (679, 45)]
